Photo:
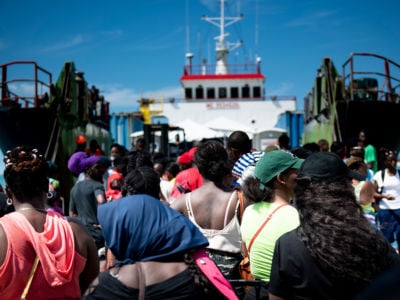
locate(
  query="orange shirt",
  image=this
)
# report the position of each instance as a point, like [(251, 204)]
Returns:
[(57, 275)]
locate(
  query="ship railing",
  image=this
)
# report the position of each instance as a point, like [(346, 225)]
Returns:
[(16, 89), (381, 85), (210, 69), (174, 100)]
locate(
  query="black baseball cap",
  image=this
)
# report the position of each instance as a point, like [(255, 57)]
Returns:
[(327, 166)]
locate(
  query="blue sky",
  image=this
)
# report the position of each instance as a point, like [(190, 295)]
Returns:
[(132, 48), (135, 48)]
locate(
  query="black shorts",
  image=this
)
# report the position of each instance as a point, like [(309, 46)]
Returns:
[(180, 286)]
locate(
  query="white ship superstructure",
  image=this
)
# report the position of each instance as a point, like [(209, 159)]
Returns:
[(220, 93)]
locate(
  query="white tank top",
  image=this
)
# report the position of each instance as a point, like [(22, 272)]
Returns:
[(227, 239), (391, 185)]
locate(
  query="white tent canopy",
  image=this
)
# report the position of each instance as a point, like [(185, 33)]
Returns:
[(195, 131), (227, 126)]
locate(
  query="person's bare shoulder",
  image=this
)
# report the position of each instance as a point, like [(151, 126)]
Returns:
[(86, 247), (179, 204), (82, 236)]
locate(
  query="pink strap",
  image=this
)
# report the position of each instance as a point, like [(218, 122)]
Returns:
[(213, 273)]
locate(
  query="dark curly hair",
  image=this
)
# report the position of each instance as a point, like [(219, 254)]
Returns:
[(26, 172), (134, 159), (142, 180), (253, 193), (252, 188), (212, 161), (239, 140), (335, 231), (238, 144)]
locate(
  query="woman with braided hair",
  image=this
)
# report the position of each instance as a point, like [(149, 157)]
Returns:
[(159, 252), (42, 254), (335, 252), (142, 180), (214, 207)]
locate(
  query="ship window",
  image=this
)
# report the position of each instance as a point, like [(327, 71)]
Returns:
[(222, 92), (256, 92), (188, 93), (234, 92), (246, 91), (199, 92), (210, 93)]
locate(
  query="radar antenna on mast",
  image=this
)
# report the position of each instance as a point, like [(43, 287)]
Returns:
[(223, 47)]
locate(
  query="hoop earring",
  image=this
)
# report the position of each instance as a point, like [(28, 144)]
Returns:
[(9, 201), (49, 195)]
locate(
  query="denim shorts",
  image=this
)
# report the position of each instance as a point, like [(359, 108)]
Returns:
[(389, 223)]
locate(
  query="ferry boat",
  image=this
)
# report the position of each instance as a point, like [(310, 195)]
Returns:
[(34, 111), (365, 95), (224, 96)]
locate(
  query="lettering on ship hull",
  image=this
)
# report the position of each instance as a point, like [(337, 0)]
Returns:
[(223, 105)]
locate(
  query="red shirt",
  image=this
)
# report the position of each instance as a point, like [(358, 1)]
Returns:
[(186, 181)]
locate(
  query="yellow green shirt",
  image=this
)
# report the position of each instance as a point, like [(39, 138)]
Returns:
[(283, 220)]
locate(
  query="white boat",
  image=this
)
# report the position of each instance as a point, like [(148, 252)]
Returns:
[(235, 92)]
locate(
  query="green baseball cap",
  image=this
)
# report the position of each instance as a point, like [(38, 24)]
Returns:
[(275, 162)]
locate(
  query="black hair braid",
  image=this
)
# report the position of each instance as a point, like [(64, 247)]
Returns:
[(252, 192), (142, 180), (26, 171), (212, 161), (335, 231), (135, 159)]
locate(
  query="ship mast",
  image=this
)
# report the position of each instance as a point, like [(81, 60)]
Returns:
[(223, 47)]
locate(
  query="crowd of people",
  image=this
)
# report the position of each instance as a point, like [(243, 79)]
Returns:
[(316, 221)]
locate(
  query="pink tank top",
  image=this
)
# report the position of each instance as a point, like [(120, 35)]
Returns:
[(57, 275)]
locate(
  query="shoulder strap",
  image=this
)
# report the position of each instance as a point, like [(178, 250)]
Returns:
[(189, 206), (383, 174), (262, 226), (30, 278), (241, 205), (228, 206)]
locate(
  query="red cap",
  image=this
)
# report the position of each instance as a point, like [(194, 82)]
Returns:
[(80, 139), (187, 157)]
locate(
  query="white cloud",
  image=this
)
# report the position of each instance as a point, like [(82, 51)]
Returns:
[(312, 20), (126, 99), (112, 34), (74, 41), (284, 89), (24, 89), (210, 4)]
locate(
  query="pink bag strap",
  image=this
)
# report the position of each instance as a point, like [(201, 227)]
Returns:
[(263, 225), (208, 267)]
